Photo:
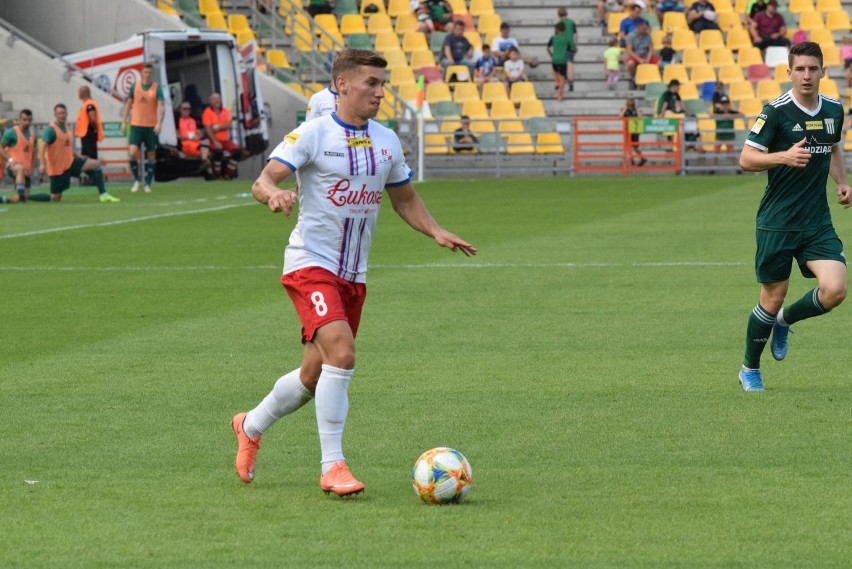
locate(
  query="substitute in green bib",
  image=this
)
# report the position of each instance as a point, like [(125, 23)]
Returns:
[(797, 140)]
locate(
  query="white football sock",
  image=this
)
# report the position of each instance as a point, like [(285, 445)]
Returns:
[(332, 405), (288, 395), (780, 318)]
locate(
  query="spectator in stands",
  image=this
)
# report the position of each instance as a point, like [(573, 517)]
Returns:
[(441, 13), (217, 122), (191, 141), (557, 47), (612, 63), (89, 128), (768, 28), (629, 110), (424, 20), (722, 112), (846, 56), (719, 92), (607, 6), (639, 49), (631, 22), (670, 103), (752, 8), (667, 54), (320, 7), (501, 44), (668, 6), (17, 148), (571, 32), (457, 49), (463, 138), (702, 16), (514, 69), (486, 68)]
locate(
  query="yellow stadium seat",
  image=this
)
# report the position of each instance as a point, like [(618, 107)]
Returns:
[(423, 58), (721, 56), (688, 90), (387, 41), (238, 23), (710, 39), (277, 58), (379, 23), (731, 73), (167, 7), (531, 108), (435, 144), (682, 38), (395, 58), (674, 21), (460, 72), (413, 41), (522, 91), (750, 107), (458, 7), (811, 21), (702, 74), (407, 91), (465, 91), (399, 75), (503, 109), (741, 5), (511, 125), (767, 90), (823, 36), (675, 71), (613, 22), (438, 92), (693, 56), (723, 6), (519, 143), (492, 92), (207, 7), (828, 5), (647, 73), (657, 37), (730, 21), (216, 21), (480, 7), (799, 6), (397, 8), (449, 126), (748, 56), (475, 109), (738, 39), (482, 125), (489, 23), (475, 39), (549, 143), (352, 24), (847, 146), (838, 21), (828, 87), (831, 56), (780, 73), (379, 4), (739, 90), (405, 23)]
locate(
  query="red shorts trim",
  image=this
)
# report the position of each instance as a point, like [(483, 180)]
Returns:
[(320, 297)]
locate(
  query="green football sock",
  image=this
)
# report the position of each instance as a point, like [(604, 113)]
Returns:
[(134, 168), (39, 197), (149, 172), (98, 177), (757, 335), (806, 307)]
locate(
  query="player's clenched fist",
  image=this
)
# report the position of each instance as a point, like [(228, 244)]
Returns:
[(798, 155), (282, 201)]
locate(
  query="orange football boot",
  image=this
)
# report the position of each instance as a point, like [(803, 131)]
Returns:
[(340, 481), (246, 449)]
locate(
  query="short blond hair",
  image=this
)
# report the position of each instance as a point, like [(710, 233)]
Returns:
[(349, 59)]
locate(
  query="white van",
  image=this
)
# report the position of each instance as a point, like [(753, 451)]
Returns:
[(189, 64)]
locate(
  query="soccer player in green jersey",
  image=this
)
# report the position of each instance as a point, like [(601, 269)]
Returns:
[(797, 140)]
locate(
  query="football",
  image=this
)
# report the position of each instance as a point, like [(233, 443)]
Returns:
[(441, 476)]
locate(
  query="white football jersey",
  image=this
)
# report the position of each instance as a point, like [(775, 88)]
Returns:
[(321, 103), (342, 171)]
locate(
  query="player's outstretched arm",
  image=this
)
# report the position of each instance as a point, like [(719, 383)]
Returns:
[(265, 189), (410, 207), (837, 170), (755, 160)]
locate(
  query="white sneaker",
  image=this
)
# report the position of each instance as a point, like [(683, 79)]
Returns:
[(147, 189), (135, 187)]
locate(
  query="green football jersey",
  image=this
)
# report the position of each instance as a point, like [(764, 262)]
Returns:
[(795, 198)]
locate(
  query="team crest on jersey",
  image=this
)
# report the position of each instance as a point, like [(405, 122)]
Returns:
[(797, 128), (386, 156), (291, 138), (758, 125), (359, 143), (829, 126), (813, 125)]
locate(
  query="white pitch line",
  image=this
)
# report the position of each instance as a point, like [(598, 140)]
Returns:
[(387, 267), (122, 221)]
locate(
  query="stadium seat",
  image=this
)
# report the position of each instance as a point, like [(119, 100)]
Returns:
[(780, 73), (277, 58), (675, 71), (504, 109), (828, 88), (475, 39), (522, 91), (775, 55), (400, 75), (653, 20), (519, 143), (397, 8), (405, 23), (207, 7), (531, 108), (828, 5), (465, 19), (549, 143), (682, 38), (710, 39), (444, 109), (343, 7), (387, 41), (799, 6), (838, 21), (822, 36), (729, 21), (647, 73), (431, 74), (216, 21), (491, 143), (395, 58), (360, 41), (831, 56), (379, 23), (731, 73), (758, 72), (167, 7), (489, 23), (695, 107), (458, 6), (436, 41), (613, 22), (767, 90), (435, 144), (653, 90), (723, 6), (422, 58), (352, 24), (722, 56), (494, 92), (702, 74), (438, 92), (674, 21), (750, 107), (475, 109), (458, 73), (379, 4), (414, 41), (847, 145), (482, 125), (407, 91), (481, 7), (688, 90), (510, 125), (237, 23), (739, 90), (693, 56), (465, 91), (810, 21)]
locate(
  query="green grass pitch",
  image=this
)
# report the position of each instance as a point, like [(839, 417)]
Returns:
[(585, 362)]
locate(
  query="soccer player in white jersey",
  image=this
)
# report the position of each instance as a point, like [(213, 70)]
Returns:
[(344, 162), (322, 103)]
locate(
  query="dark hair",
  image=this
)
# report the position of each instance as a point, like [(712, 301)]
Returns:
[(27, 112), (349, 59), (148, 65), (560, 26), (562, 12), (805, 48), (59, 106), (504, 26)]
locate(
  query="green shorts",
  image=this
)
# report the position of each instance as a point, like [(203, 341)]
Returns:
[(143, 135), (777, 249), (62, 182), (28, 181)]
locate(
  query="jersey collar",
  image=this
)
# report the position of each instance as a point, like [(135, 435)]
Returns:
[(807, 111), (349, 126)]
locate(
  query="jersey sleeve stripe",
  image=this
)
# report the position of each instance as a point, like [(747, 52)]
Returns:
[(402, 183), (276, 158), (756, 145)]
